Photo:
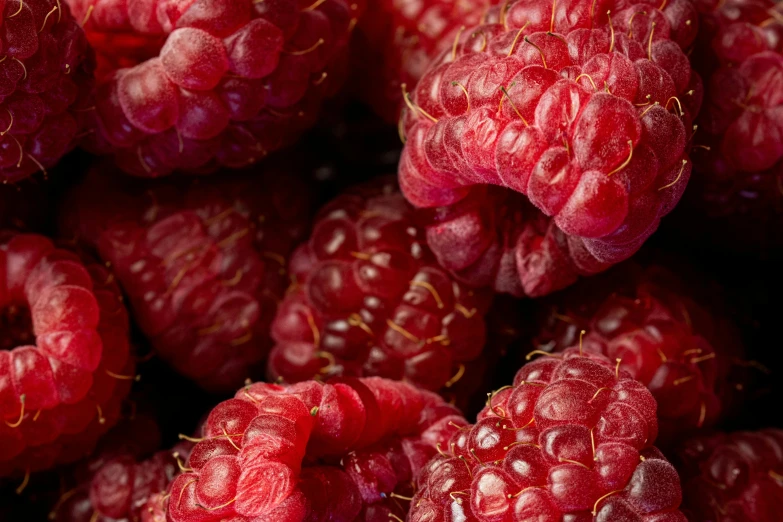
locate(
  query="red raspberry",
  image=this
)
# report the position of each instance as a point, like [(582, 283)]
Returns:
[(569, 103), (650, 321), (399, 38), (210, 83), (369, 299), (572, 439), (117, 483), (740, 135), (504, 242), (735, 476), (65, 362), (312, 451), (203, 265), (45, 87)]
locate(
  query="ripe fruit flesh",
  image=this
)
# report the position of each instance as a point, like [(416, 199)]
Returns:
[(209, 84), (46, 84), (203, 265), (571, 439), (585, 108), (65, 363), (312, 451), (399, 38), (739, 153), (369, 299), (733, 476), (687, 355)]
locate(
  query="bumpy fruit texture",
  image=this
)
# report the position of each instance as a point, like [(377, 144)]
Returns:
[(496, 238), (733, 476), (65, 363), (649, 320), (45, 86), (585, 107), (118, 481), (207, 83), (203, 265), (571, 439), (399, 38), (368, 298), (739, 159), (346, 450)]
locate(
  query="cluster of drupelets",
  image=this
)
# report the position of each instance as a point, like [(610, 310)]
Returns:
[(543, 141)]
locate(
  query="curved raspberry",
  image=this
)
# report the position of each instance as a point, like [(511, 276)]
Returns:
[(370, 299), (65, 362), (650, 321), (203, 265), (733, 476), (739, 157), (349, 449), (212, 83), (45, 85), (569, 103), (570, 440), (117, 483), (496, 238), (399, 39)]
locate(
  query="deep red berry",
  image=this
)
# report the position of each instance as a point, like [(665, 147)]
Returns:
[(45, 86), (346, 450), (651, 321), (196, 84), (203, 265), (65, 362), (733, 476), (585, 108), (118, 481), (739, 153), (369, 299), (398, 39), (572, 439)]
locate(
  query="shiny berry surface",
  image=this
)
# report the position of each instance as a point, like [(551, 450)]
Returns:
[(571, 439), (203, 265)]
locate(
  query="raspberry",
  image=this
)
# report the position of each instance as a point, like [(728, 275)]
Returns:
[(570, 440), (65, 362), (494, 237), (734, 476), (569, 103), (210, 84), (369, 299), (400, 38), (46, 84), (312, 451), (203, 265), (739, 159), (119, 481), (646, 318)]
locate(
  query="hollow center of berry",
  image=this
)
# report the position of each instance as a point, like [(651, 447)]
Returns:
[(16, 326)]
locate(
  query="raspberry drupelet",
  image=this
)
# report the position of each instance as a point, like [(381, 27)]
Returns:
[(368, 298), (687, 355), (401, 38), (571, 439), (739, 153), (46, 85), (203, 264), (733, 476), (192, 85), (119, 481), (65, 362), (346, 450), (585, 107)]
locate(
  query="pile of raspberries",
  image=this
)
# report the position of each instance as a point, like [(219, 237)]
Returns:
[(391, 260)]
